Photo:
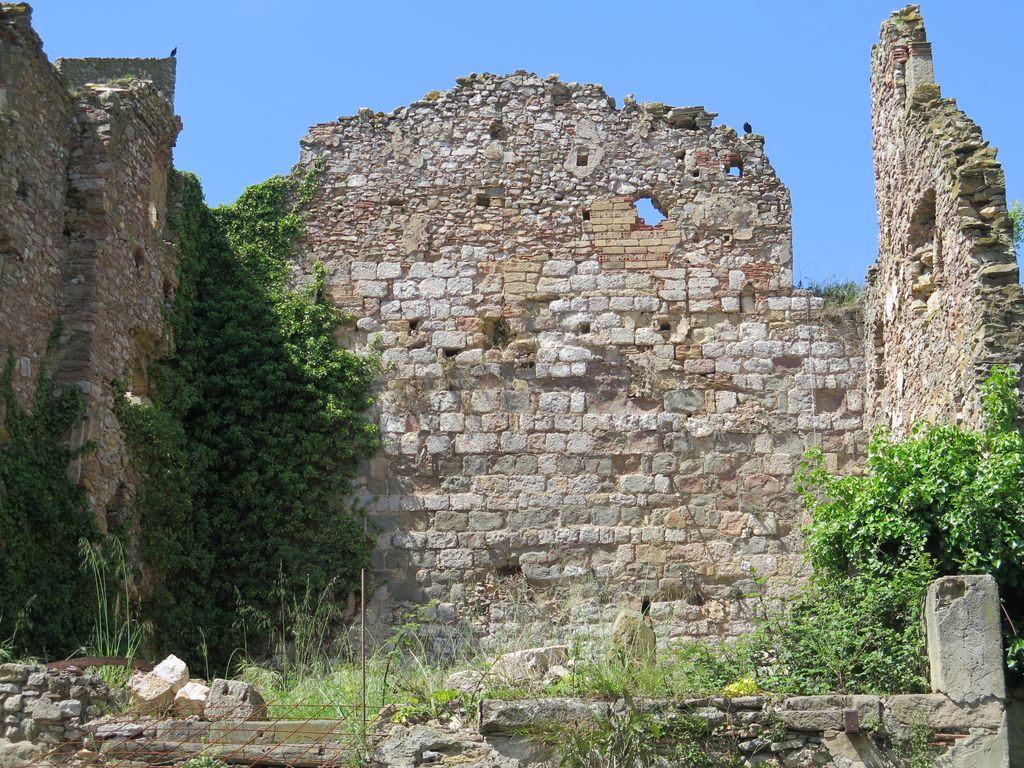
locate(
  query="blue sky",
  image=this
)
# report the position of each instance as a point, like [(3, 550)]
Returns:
[(254, 75)]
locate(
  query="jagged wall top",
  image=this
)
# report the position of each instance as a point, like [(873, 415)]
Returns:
[(159, 71), (943, 303), (572, 392)]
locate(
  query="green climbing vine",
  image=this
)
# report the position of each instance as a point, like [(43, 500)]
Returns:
[(256, 424), (43, 515)]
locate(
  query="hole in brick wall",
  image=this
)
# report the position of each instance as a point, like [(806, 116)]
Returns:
[(139, 257), (922, 223), (483, 200), (22, 190), (878, 356), (497, 332), (733, 166), (414, 325), (582, 159), (685, 122), (497, 130), (450, 353), (828, 400), (586, 215), (645, 605), (694, 596), (584, 328), (665, 326), (727, 239), (695, 173), (511, 570), (648, 213), (748, 300), (925, 249)]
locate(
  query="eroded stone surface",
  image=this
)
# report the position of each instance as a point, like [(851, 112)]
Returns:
[(965, 646), (573, 395), (943, 304), (234, 700)]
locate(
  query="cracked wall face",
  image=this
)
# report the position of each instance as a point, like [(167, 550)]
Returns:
[(573, 396), (943, 300)]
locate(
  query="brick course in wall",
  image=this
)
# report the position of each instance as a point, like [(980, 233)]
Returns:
[(573, 394)]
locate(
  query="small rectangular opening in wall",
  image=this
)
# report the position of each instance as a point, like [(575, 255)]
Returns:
[(584, 328), (733, 166), (586, 214), (450, 353), (483, 200), (582, 159), (665, 326), (695, 173), (414, 326)]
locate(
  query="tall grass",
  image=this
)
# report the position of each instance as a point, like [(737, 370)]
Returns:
[(116, 628), (7, 644)]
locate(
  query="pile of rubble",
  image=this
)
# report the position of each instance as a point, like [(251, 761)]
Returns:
[(169, 689)]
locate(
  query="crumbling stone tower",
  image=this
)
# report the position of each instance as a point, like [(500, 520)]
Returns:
[(84, 164), (943, 303), (573, 393)]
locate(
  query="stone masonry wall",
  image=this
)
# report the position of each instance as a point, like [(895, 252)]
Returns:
[(82, 241), (36, 130), (943, 303), (574, 395), (48, 707)]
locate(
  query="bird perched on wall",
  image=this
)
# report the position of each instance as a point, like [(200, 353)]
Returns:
[(747, 128), (174, 51)]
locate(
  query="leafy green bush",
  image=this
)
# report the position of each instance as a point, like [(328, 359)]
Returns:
[(856, 634), (43, 515), (256, 425), (952, 495)]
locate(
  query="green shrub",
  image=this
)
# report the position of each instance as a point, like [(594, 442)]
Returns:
[(848, 634), (951, 495)]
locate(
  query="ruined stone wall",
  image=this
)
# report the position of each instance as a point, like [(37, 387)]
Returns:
[(572, 394), (82, 240), (943, 303), (36, 132)]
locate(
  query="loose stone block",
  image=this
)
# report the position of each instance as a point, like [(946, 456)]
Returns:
[(962, 621)]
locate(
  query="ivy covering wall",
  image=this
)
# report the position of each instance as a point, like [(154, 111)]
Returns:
[(254, 432), (43, 515)]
